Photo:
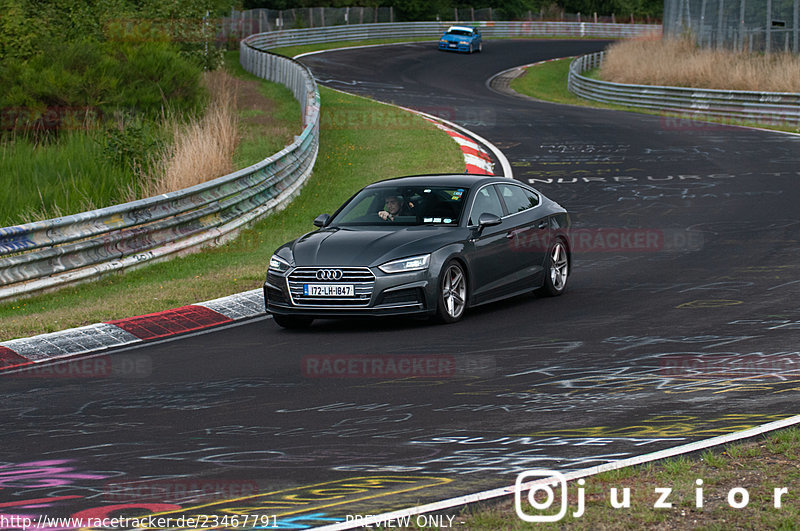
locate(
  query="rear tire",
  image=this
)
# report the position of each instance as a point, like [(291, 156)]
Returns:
[(556, 270), (480, 47), (453, 294), (292, 322)]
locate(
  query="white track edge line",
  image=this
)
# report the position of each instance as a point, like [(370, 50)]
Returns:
[(507, 491)]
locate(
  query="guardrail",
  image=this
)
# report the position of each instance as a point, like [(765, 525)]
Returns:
[(49, 254), (433, 30), (774, 108)]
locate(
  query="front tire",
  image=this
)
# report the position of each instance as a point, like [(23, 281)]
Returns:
[(556, 270), (452, 297), (292, 322)]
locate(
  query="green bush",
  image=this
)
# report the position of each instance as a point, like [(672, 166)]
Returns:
[(138, 78), (76, 74), (133, 144), (155, 77)]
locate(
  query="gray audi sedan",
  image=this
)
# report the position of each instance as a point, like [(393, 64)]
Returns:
[(426, 245)]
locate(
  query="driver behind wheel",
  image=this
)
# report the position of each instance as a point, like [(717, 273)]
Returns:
[(395, 205)]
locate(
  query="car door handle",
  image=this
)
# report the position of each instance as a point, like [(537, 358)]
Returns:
[(543, 224)]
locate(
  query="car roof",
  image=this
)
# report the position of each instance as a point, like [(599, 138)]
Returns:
[(466, 180), (462, 28)]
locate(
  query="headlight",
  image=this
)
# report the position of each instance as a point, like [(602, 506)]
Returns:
[(414, 263), (463, 42), (278, 264)]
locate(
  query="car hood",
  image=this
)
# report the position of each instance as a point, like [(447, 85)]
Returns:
[(366, 246)]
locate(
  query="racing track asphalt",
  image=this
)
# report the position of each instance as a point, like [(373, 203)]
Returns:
[(680, 322)]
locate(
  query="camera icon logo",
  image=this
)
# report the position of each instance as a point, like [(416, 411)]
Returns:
[(546, 487)]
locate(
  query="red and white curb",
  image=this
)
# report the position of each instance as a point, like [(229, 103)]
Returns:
[(18, 353), (476, 159)]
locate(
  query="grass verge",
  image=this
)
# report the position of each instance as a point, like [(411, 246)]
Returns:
[(53, 179), (360, 142), (547, 81), (759, 466), (269, 116)]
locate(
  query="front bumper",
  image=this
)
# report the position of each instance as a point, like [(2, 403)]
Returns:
[(456, 48), (410, 293)]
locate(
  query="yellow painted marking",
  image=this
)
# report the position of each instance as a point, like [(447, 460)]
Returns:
[(314, 497), (114, 221), (666, 426)]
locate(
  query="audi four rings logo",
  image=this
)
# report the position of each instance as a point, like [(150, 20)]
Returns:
[(329, 274)]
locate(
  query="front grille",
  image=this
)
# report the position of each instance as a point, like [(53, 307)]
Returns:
[(361, 278)]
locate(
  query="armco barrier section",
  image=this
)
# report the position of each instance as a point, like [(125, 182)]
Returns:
[(434, 30), (775, 108), (48, 254)]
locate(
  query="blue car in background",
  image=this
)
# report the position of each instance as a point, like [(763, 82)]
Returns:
[(461, 39)]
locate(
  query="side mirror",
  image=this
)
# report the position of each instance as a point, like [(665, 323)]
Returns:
[(488, 220), (321, 220)]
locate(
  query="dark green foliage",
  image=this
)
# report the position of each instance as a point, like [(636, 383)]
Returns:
[(411, 10), (101, 56), (157, 77), (423, 9), (143, 78), (133, 146), (622, 8)]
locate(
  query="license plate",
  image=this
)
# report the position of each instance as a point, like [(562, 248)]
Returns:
[(453, 45), (328, 290)]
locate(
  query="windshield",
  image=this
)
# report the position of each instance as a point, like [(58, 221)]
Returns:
[(403, 206), (460, 32)]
